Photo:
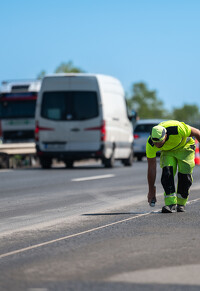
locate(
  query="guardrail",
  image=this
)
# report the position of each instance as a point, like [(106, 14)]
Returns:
[(8, 152), (17, 148)]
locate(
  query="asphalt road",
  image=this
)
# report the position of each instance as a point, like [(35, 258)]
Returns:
[(91, 228)]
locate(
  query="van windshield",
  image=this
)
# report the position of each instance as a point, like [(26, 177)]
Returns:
[(17, 109), (17, 105), (69, 105)]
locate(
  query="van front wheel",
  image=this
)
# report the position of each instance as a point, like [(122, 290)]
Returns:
[(128, 162), (69, 164)]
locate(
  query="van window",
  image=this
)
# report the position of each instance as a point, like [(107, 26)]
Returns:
[(144, 128), (17, 109), (17, 105), (69, 105)]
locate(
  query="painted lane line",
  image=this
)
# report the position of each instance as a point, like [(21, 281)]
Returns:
[(72, 235), (81, 233), (193, 201), (6, 171), (93, 178)]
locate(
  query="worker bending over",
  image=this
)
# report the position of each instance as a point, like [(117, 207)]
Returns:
[(174, 140)]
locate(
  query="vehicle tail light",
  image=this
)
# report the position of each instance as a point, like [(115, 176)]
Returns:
[(136, 136), (39, 128), (36, 131), (103, 131)]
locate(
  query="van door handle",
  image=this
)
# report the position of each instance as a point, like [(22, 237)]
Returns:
[(75, 129), (116, 119)]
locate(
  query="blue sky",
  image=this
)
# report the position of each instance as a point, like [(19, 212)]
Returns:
[(153, 41)]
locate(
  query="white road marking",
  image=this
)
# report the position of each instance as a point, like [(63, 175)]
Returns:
[(5, 171), (193, 201), (71, 236), (80, 233), (93, 178)]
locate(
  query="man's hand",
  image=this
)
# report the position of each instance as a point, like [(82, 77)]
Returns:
[(152, 194)]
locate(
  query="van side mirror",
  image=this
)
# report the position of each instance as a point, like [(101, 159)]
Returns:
[(132, 115)]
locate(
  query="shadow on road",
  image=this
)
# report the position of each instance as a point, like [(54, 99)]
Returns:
[(113, 213)]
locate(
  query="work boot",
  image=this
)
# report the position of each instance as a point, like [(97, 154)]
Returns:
[(169, 208), (180, 208)]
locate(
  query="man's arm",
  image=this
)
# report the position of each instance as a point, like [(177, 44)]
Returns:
[(196, 133), (151, 178)]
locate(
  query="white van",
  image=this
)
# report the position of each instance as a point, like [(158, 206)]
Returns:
[(82, 116)]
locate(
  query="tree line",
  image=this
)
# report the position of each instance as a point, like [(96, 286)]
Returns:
[(147, 105), (143, 101)]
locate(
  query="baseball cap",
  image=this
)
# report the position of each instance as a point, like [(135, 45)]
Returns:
[(158, 133)]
